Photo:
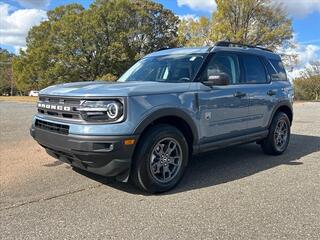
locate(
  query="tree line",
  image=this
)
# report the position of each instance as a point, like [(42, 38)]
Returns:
[(103, 41), (7, 85)]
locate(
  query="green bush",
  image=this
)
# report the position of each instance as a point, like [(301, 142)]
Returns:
[(307, 87)]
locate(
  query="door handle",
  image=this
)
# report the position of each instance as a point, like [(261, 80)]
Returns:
[(239, 94), (272, 92)]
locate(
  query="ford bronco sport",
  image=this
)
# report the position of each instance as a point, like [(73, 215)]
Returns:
[(169, 105)]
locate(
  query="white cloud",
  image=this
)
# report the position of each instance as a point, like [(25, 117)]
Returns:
[(14, 26), (306, 53), (204, 5), (34, 3), (188, 16), (300, 8)]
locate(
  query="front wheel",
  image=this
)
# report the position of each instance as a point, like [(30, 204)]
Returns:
[(161, 158), (279, 135)]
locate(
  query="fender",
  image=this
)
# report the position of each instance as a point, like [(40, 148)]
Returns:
[(167, 112), (282, 103)]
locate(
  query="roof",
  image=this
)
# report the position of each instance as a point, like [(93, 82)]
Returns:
[(203, 50), (256, 51), (177, 51)]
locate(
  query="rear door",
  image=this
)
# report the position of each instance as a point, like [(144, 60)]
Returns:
[(223, 109), (261, 92)]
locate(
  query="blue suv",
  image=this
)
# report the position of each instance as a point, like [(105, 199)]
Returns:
[(169, 105)]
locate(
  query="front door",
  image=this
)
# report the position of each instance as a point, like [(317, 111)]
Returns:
[(223, 109)]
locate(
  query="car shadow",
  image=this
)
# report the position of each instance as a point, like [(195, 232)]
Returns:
[(226, 165)]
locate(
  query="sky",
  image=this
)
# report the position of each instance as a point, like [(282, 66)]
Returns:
[(18, 16)]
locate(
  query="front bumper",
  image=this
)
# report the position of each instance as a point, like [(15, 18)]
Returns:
[(103, 155)]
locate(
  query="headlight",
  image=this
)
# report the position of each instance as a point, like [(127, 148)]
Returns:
[(104, 110)]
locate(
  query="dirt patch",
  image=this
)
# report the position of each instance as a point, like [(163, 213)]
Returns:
[(18, 99), (20, 160)]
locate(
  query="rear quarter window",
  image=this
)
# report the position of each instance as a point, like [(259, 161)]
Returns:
[(276, 70)]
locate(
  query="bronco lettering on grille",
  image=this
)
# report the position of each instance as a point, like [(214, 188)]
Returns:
[(54, 107)]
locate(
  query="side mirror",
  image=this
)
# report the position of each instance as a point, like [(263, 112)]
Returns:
[(219, 79)]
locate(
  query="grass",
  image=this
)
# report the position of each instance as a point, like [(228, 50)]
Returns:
[(18, 99)]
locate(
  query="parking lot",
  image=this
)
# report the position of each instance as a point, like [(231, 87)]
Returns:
[(235, 193)]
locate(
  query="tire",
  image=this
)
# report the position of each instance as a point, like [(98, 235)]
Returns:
[(272, 144), (153, 157)]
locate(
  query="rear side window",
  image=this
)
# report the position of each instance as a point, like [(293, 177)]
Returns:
[(276, 70), (254, 69)]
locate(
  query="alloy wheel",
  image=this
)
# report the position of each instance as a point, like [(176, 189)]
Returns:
[(281, 135), (165, 160)]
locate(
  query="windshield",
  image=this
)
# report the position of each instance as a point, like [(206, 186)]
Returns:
[(170, 68)]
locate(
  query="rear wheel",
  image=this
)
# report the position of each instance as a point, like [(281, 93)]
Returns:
[(161, 158), (279, 135)]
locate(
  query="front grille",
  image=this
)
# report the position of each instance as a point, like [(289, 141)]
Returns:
[(60, 100), (59, 107), (52, 127)]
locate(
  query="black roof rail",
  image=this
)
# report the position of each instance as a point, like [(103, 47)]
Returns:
[(263, 48), (163, 48), (237, 44)]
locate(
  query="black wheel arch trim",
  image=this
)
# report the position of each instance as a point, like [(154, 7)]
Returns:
[(284, 103), (168, 112)]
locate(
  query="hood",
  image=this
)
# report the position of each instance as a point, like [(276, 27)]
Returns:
[(114, 89)]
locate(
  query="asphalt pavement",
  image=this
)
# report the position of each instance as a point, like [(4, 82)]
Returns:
[(235, 193)]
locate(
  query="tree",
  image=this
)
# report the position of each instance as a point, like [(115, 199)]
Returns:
[(44, 62), (307, 87), (101, 42), (254, 22), (6, 76), (195, 32)]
